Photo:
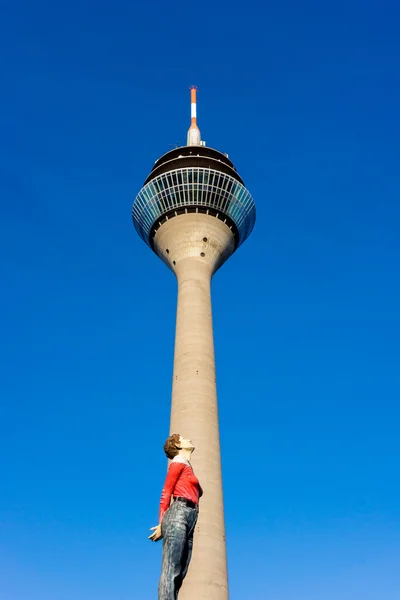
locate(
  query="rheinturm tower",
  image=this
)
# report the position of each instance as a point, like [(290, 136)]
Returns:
[(194, 211)]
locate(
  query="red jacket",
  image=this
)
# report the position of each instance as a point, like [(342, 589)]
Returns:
[(180, 481)]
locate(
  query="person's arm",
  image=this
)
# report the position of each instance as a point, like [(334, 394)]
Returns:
[(174, 472)]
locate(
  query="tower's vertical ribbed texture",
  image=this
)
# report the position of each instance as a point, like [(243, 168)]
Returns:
[(194, 415)]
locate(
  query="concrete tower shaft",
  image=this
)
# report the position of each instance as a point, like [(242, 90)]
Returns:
[(194, 212), (198, 244)]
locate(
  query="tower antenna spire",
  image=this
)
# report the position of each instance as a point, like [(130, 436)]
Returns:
[(193, 136)]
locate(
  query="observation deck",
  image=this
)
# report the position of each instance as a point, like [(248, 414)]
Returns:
[(193, 179)]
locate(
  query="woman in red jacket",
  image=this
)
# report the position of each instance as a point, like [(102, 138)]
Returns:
[(177, 520)]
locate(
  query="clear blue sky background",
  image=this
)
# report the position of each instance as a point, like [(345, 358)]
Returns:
[(305, 98)]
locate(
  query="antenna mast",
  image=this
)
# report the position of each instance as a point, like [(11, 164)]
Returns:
[(193, 136)]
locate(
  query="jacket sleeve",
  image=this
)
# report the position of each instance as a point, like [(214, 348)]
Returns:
[(174, 472)]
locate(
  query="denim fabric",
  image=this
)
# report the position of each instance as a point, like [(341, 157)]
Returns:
[(177, 529)]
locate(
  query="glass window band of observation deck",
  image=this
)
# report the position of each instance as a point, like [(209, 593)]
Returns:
[(193, 187)]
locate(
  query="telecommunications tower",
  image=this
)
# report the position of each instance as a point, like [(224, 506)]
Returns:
[(194, 211)]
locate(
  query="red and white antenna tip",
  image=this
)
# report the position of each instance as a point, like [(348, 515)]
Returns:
[(193, 138)]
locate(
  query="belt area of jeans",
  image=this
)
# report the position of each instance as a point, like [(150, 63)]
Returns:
[(185, 501)]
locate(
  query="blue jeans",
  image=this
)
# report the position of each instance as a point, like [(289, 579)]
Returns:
[(177, 529)]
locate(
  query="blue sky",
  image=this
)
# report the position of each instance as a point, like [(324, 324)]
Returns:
[(305, 99)]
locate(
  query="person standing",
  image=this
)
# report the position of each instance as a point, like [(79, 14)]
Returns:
[(178, 519)]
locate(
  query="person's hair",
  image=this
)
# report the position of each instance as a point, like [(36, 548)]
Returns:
[(170, 446)]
